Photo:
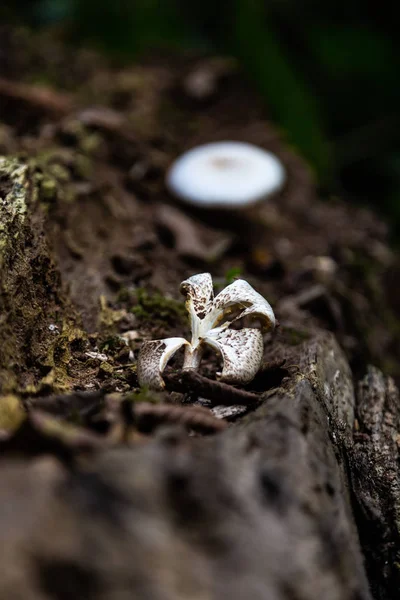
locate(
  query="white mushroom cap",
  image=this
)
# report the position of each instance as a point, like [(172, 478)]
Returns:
[(225, 175)]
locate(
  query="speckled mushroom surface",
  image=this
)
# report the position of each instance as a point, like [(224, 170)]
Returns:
[(154, 356), (241, 351), (211, 320)]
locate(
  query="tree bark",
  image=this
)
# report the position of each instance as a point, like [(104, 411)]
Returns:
[(274, 506), (33, 305), (260, 510)]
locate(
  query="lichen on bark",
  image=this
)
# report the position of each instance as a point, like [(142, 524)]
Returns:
[(32, 300), (13, 204)]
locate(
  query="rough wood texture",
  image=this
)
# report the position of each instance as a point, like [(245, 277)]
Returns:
[(375, 478), (31, 299), (260, 510)]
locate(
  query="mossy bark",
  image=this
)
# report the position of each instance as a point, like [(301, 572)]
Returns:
[(33, 306)]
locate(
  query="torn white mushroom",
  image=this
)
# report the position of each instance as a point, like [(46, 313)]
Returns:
[(211, 319), (226, 175)]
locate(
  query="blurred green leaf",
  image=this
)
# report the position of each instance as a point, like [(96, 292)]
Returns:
[(344, 51), (287, 94), (232, 274), (128, 28), (52, 11)]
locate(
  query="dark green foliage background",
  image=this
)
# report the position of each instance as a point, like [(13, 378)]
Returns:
[(329, 71)]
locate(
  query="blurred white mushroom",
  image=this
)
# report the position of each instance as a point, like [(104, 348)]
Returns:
[(226, 175), (241, 349)]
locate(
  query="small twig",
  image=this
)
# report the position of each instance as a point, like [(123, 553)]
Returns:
[(42, 97), (148, 416), (188, 381), (65, 404), (272, 365), (42, 433)]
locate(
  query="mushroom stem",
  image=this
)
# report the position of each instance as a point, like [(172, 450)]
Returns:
[(192, 358)]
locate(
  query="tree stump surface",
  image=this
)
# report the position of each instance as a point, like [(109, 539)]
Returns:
[(260, 510), (288, 489)]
